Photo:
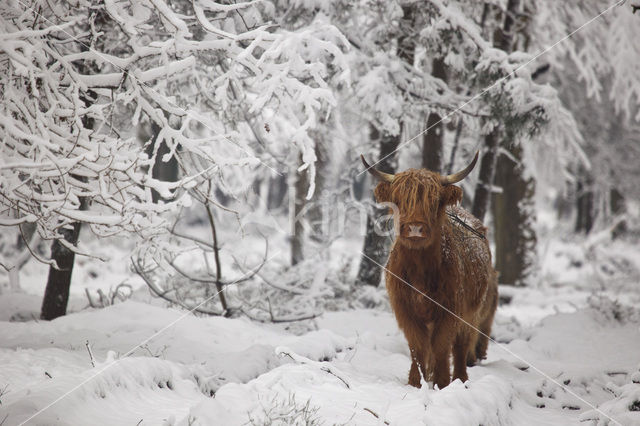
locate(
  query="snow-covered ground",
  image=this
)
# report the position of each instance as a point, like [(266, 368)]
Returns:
[(562, 355)]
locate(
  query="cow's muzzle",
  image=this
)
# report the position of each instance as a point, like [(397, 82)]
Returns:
[(413, 230)]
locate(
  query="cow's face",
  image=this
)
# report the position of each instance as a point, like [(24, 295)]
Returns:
[(420, 200)]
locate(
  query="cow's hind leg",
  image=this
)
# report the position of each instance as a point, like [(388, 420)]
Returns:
[(485, 327), (461, 348), (471, 348), (483, 339)]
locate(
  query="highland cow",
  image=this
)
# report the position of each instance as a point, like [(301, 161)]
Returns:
[(439, 277)]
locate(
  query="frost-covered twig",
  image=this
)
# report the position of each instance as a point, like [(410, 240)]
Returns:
[(369, 410), (323, 366), (164, 294)]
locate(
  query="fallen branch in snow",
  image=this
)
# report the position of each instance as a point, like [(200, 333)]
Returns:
[(283, 351), (386, 422), (276, 320), (3, 390), (93, 360), (328, 370)]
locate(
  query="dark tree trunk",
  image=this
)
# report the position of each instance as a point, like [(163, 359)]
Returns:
[(359, 187), (432, 140), (376, 246), (504, 41), (513, 207), (56, 294), (618, 207), (617, 203), (513, 213), (454, 148), (277, 191), (584, 206), (486, 176), (166, 171)]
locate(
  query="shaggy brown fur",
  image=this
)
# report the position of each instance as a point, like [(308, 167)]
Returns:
[(447, 262)]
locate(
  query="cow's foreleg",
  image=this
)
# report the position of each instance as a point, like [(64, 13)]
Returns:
[(414, 372), (417, 349), (441, 343)]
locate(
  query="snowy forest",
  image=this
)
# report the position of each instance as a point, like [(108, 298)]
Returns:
[(206, 212)]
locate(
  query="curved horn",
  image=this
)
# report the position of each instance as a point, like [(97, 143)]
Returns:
[(386, 177), (457, 177)]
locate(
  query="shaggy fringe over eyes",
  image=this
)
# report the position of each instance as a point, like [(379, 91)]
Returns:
[(417, 192)]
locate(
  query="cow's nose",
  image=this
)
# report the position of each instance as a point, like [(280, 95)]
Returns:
[(415, 230)]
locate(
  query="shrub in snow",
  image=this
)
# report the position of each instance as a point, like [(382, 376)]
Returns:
[(285, 411), (612, 310)]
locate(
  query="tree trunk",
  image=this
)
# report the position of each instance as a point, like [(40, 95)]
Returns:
[(298, 198), (432, 140), (316, 212), (513, 214), (504, 41), (166, 171), (618, 207), (513, 208), (584, 205), (486, 175), (277, 191), (56, 294), (454, 148), (376, 246)]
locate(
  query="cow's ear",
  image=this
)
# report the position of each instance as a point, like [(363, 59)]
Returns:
[(383, 192), (451, 195)]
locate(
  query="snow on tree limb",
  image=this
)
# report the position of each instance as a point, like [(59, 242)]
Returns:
[(118, 64)]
